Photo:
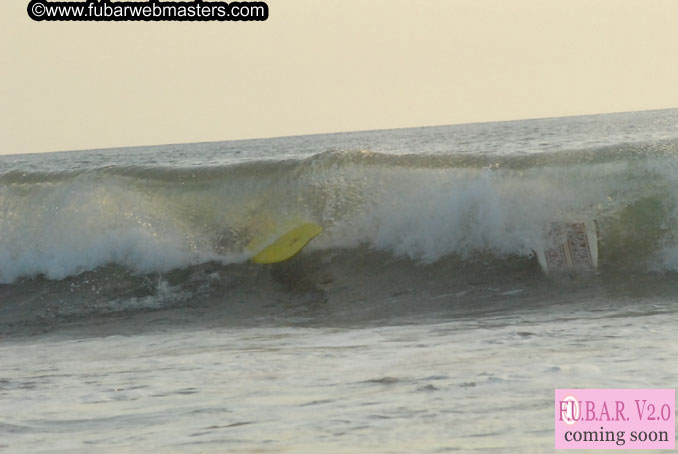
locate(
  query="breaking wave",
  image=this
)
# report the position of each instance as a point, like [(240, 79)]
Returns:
[(425, 208)]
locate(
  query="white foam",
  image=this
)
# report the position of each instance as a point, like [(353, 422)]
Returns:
[(64, 230), (426, 214)]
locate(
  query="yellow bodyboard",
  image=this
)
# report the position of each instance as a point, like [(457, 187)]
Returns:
[(288, 245)]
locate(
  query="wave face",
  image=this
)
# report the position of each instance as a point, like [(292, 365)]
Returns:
[(426, 208)]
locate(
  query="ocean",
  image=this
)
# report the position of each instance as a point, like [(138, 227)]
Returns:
[(132, 319)]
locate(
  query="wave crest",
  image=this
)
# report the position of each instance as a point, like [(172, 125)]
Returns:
[(155, 219)]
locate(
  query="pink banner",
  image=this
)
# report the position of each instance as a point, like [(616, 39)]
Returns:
[(615, 418)]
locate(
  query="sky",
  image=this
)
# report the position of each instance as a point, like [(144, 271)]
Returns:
[(328, 65)]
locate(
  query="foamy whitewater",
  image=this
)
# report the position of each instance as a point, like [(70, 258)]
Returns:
[(132, 320)]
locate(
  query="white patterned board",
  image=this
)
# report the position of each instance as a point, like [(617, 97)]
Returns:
[(572, 250)]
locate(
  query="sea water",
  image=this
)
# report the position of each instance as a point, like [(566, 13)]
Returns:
[(131, 319)]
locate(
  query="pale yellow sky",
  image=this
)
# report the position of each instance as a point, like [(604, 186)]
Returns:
[(329, 65)]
